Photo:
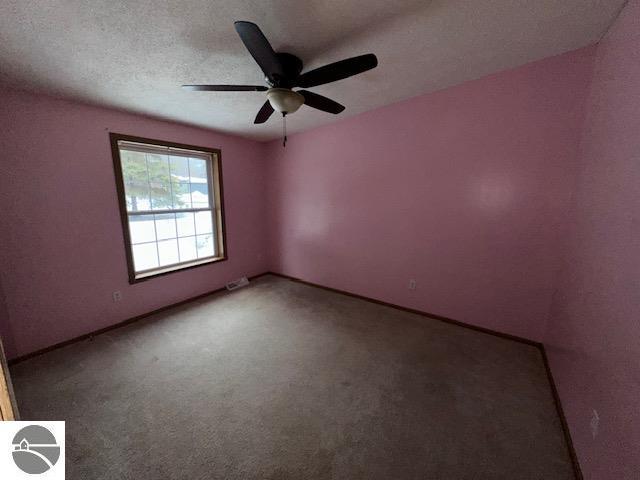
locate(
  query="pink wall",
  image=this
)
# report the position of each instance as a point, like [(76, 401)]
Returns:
[(463, 190), (61, 246), (594, 332)]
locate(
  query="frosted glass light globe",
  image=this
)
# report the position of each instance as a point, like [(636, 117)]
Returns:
[(284, 100)]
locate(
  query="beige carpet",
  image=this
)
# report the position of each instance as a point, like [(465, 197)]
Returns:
[(283, 381)]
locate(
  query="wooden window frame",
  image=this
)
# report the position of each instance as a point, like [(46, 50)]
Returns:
[(216, 187)]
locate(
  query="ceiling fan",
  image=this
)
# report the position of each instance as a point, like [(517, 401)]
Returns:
[(283, 73)]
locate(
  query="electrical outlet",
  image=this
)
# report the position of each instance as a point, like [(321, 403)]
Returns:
[(595, 423), (412, 284), (117, 296)]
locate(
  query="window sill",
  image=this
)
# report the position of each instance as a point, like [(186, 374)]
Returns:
[(139, 277)]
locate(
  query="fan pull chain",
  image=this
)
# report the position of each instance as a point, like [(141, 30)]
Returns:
[(284, 129)]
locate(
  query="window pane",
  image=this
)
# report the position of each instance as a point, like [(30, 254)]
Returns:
[(200, 195), (186, 227), (181, 195), (138, 201), (158, 167), (159, 181), (136, 180), (203, 222), (166, 226), (168, 252), (161, 198), (204, 244), (134, 164), (142, 229), (198, 170), (179, 169), (145, 256), (187, 249)]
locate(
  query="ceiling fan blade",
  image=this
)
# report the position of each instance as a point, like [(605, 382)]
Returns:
[(226, 88), (337, 71), (321, 103), (260, 50), (264, 113)]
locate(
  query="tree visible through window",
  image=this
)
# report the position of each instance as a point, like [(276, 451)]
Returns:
[(171, 205)]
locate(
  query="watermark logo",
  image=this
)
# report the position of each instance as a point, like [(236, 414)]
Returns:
[(35, 449), (32, 450)]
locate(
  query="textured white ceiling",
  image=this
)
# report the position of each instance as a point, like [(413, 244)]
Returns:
[(134, 54)]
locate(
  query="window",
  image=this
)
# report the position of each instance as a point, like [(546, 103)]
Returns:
[(171, 205)]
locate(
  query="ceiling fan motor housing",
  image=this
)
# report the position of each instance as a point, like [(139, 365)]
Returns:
[(284, 100)]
